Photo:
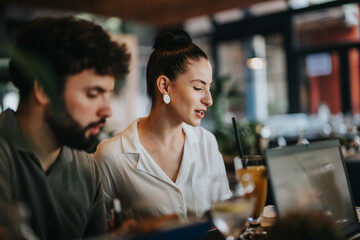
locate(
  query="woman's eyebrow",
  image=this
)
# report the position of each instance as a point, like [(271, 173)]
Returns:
[(201, 81)]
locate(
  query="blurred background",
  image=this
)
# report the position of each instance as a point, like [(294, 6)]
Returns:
[(288, 70)]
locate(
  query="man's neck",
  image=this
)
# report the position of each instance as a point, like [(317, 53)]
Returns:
[(38, 135)]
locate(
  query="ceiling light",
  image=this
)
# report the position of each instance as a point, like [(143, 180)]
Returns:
[(256, 63)]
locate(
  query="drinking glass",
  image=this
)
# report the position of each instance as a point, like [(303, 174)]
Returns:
[(254, 166), (230, 215)]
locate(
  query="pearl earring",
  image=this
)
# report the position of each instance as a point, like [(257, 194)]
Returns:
[(166, 98)]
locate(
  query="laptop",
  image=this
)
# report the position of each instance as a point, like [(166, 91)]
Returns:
[(313, 177)]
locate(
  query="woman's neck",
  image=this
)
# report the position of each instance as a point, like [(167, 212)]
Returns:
[(164, 141), (160, 129)]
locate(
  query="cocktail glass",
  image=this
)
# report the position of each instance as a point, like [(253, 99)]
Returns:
[(231, 215), (254, 166)]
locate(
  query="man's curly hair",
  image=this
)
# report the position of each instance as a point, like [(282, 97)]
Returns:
[(50, 49)]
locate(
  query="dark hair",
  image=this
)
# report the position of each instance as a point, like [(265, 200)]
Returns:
[(171, 53), (50, 49)]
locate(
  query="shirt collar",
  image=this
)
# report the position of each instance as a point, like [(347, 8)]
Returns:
[(65, 155), (132, 145)]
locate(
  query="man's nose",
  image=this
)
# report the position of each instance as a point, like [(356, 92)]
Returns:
[(105, 110)]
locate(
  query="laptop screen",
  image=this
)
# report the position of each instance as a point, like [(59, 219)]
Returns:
[(312, 177)]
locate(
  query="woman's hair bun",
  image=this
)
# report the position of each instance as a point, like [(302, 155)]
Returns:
[(173, 38)]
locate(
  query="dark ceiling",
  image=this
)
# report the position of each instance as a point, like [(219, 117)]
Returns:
[(158, 13)]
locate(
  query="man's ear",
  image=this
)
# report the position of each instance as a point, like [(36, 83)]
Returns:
[(39, 93), (163, 83)]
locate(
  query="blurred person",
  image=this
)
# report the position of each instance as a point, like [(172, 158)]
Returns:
[(304, 225), (65, 70), (165, 163)]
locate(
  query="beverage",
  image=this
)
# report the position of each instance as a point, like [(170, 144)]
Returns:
[(259, 176), (230, 216)]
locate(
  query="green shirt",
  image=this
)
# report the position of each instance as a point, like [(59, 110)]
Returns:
[(66, 202)]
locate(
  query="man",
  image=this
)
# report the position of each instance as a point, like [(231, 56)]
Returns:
[(65, 70)]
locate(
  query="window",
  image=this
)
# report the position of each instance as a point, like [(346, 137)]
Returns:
[(256, 68)]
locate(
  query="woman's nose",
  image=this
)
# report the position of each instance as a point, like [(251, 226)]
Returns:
[(207, 99)]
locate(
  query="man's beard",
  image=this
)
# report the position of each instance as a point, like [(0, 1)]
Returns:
[(68, 132)]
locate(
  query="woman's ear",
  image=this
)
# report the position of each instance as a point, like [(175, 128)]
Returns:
[(40, 96), (163, 83)]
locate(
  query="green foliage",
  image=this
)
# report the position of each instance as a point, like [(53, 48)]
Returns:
[(224, 132), (225, 136)]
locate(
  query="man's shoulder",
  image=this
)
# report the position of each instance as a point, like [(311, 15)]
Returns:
[(80, 154), (3, 137), (4, 123), (4, 141), (81, 157), (10, 133), (83, 166), (6, 145), (83, 160)]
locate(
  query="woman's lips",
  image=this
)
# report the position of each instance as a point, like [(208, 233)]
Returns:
[(200, 113)]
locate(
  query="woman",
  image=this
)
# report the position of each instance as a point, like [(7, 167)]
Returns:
[(164, 163)]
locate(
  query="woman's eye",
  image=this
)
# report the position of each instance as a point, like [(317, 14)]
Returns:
[(197, 89)]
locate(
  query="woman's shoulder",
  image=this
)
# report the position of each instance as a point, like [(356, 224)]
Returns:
[(115, 145), (108, 147)]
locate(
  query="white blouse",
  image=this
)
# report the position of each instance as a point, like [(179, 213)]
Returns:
[(130, 174)]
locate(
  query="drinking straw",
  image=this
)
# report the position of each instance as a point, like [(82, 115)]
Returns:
[(237, 138)]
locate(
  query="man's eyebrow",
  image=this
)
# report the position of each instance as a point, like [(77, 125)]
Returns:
[(96, 88)]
